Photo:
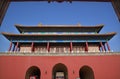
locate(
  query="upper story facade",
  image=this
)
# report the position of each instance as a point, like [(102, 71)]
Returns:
[(59, 39)]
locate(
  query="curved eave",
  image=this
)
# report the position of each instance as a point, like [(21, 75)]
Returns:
[(34, 37), (60, 28)]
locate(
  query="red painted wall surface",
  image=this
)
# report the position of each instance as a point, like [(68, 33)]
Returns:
[(104, 67)]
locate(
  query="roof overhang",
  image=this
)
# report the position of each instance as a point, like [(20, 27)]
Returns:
[(59, 37), (59, 28)]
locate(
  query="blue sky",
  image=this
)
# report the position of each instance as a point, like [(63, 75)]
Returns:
[(84, 13)]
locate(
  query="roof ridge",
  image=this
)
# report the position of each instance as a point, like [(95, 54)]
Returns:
[(19, 25)]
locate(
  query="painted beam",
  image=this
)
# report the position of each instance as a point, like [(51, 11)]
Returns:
[(57, 41)]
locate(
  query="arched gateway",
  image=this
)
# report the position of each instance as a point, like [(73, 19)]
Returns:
[(33, 72), (59, 71), (86, 73)]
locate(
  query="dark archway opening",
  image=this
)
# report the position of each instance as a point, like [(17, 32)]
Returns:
[(59, 72), (33, 72), (86, 73)]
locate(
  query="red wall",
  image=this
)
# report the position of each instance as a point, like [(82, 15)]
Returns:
[(104, 67)]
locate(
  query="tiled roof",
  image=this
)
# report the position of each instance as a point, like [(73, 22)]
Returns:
[(59, 28), (53, 37)]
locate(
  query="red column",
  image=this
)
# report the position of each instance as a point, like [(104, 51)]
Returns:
[(86, 46), (108, 46), (99, 48), (10, 46), (16, 47), (48, 46), (71, 46), (102, 46), (32, 47), (13, 48)]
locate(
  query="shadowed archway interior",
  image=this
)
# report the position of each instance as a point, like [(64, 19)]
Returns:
[(60, 68), (33, 71), (86, 73)]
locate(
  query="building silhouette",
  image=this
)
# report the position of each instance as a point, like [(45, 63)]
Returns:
[(59, 38), (59, 52)]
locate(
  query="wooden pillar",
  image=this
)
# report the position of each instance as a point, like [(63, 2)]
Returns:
[(16, 47), (32, 47), (48, 46), (13, 48), (108, 46), (99, 48), (71, 46), (10, 46), (86, 46), (102, 46)]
